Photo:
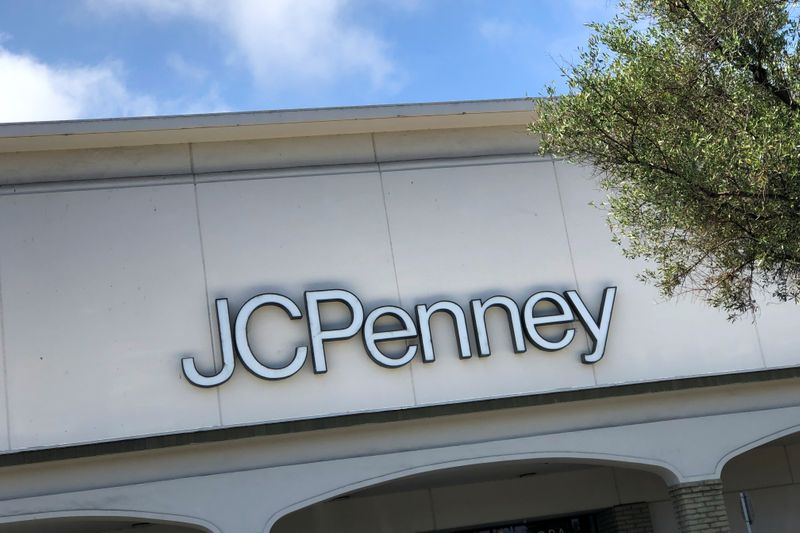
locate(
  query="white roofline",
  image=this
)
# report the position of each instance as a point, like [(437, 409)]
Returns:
[(276, 116), (95, 133)]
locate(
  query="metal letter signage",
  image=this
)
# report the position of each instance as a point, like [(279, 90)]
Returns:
[(569, 308)]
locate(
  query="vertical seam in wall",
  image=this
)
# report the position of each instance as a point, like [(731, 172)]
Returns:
[(209, 310), (391, 251), (758, 340), (616, 485), (789, 463), (5, 366), (433, 508), (569, 247)]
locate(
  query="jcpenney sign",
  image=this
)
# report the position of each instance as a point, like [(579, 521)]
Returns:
[(562, 309)]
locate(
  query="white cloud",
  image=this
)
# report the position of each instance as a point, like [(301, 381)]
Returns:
[(185, 69), (495, 30), (160, 9), (209, 102), (32, 90), (283, 43)]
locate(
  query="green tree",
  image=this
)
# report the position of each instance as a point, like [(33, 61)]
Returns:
[(690, 112)]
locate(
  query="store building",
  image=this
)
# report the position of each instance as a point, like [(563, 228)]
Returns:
[(382, 319)]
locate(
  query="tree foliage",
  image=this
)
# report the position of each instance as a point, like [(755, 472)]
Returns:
[(690, 112)]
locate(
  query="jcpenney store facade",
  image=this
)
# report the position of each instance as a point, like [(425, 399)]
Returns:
[(384, 319)]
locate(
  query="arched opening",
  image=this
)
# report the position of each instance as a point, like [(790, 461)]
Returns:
[(96, 524), (520, 496), (767, 478)]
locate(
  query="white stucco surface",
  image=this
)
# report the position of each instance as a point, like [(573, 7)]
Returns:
[(462, 232), (101, 290), (4, 436), (653, 338), (107, 284), (288, 235)]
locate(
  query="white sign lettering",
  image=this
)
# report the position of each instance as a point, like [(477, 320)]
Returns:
[(568, 308)]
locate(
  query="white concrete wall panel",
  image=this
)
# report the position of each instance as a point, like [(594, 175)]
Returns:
[(280, 153), (102, 292), (61, 165), (288, 235), (5, 443), (777, 326), (428, 144), (106, 286), (463, 232), (649, 338)]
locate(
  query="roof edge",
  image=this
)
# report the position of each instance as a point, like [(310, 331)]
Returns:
[(175, 129)]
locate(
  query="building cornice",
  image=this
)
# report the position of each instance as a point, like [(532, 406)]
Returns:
[(206, 436), (216, 127)]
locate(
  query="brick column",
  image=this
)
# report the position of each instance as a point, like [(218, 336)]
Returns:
[(630, 518), (699, 507)]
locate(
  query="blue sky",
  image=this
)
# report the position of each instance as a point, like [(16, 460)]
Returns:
[(107, 58)]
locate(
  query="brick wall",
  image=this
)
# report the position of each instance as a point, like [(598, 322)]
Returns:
[(699, 507), (630, 518)]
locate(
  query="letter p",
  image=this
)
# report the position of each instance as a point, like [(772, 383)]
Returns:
[(318, 335)]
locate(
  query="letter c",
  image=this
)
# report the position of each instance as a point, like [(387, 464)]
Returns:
[(243, 344)]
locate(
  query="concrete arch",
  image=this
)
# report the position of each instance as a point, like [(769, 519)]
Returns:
[(766, 439), (667, 472), (160, 518)]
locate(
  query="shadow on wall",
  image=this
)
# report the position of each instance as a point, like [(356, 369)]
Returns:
[(503, 493), (769, 477), (96, 524)]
